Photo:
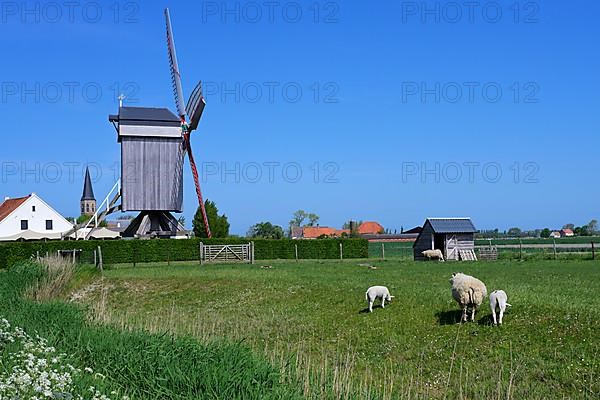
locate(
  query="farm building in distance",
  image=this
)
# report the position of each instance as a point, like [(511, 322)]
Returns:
[(314, 232), (455, 237), (30, 218), (565, 232), (370, 228)]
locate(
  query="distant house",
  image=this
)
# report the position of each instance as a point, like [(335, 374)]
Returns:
[(370, 228), (30, 218), (555, 234), (455, 237), (566, 233), (314, 232)]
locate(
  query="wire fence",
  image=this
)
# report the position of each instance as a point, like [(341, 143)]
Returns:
[(518, 251)]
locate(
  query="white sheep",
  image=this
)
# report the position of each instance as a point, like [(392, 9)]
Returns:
[(375, 292), (498, 300), (468, 292), (435, 254)]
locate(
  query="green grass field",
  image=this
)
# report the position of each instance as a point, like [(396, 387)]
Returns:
[(308, 319)]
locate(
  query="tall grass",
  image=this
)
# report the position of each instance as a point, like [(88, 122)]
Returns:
[(56, 273), (135, 363)]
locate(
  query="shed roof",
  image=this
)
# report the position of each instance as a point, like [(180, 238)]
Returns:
[(452, 225)]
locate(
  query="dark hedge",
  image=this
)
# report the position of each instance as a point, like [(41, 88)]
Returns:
[(134, 251)]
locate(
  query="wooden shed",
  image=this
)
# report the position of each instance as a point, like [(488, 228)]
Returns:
[(455, 237)]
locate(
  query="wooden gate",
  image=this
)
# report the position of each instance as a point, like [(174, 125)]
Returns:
[(227, 253), (451, 247)]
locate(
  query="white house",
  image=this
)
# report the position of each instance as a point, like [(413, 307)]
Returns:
[(30, 217)]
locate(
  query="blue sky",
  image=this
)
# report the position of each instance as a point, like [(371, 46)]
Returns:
[(405, 109)]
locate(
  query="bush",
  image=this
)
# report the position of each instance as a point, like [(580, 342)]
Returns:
[(130, 251)]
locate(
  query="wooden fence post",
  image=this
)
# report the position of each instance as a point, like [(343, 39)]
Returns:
[(383, 251), (133, 253), (169, 252), (100, 261), (201, 252), (593, 251), (95, 258), (554, 248), (341, 251), (520, 250), (296, 247), (252, 252)]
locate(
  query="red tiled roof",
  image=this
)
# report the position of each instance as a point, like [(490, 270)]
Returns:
[(314, 232), (370, 228), (567, 231), (11, 205)]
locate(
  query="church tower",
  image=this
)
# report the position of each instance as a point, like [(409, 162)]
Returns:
[(88, 201)]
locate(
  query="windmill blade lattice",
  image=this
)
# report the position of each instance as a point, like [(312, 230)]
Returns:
[(175, 75)]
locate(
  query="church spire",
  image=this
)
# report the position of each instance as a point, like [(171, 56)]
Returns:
[(88, 201), (88, 190)]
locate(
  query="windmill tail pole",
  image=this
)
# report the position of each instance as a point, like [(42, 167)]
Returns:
[(197, 183)]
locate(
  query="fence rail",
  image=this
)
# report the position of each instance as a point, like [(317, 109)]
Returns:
[(518, 251)]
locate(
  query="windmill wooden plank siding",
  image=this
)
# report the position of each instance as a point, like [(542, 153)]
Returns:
[(152, 157), (152, 174), (450, 235)]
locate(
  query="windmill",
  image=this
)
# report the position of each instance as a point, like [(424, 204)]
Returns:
[(154, 143)]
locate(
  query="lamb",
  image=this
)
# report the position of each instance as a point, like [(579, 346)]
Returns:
[(375, 292), (468, 292), (498, 299), (434, 254)]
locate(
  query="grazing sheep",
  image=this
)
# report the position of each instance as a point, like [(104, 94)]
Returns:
[(498, 299), (375, 292), (434, 254), (468, 292)]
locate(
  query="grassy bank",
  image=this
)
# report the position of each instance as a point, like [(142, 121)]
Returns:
[(134, 363), (309, 320)]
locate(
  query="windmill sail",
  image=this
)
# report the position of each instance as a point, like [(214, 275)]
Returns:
[(175, 75), (193, 110), (195, 107)]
